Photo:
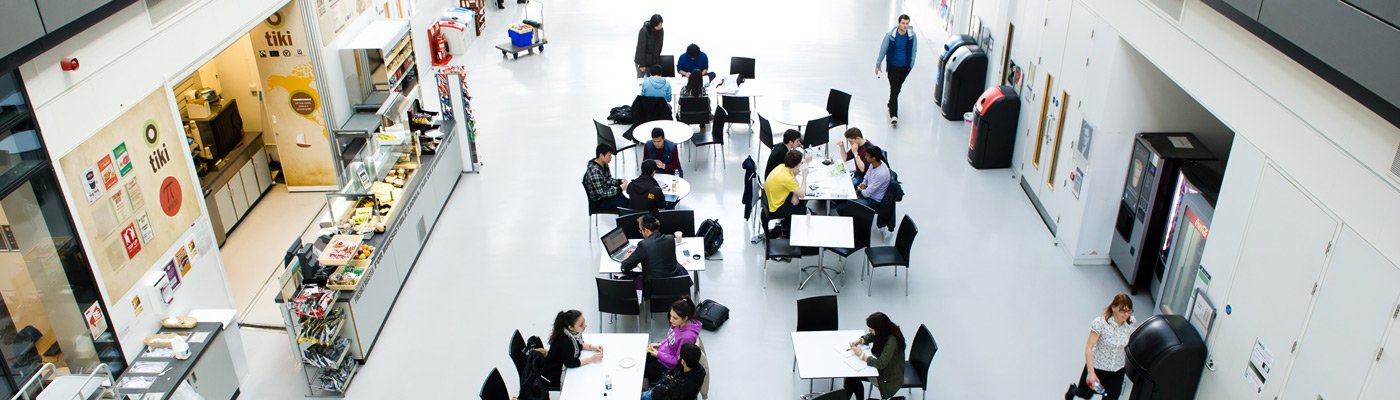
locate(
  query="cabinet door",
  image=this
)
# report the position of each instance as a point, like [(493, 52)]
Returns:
[(261, 170), (240, 199), (1382, 385), (250, 183), (225, 207)]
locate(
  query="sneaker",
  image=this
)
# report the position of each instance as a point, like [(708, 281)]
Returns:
[(894, 120), (1069, 394)]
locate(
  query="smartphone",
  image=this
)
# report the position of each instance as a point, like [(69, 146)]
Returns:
[(686, 252)]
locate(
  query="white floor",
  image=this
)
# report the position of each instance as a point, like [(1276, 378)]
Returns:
[(1009, 312)]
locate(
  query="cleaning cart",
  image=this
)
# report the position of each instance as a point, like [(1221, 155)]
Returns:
[(526, 35)]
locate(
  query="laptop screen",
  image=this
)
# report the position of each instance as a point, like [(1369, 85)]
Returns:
[(614, 241)]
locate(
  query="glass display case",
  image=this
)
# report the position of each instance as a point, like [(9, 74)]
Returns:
[(377, 166)]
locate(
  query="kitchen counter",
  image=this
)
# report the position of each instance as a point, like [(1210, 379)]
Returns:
[(219, 174), (177, 371)]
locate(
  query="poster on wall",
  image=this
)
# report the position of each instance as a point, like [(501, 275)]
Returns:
[(123, 159), (149, 129), (120, 209), (1081, 147), (108, 171), (1076, 179), (96, 323), (293, 102), (91, 185)]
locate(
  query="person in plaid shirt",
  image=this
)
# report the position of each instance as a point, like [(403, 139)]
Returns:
[(604, 191)]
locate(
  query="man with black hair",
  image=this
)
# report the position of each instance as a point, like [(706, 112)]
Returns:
[(644, 192), (694, 59), (792, 140), (664, 153), (649, 40), (656, 253), (656, 85), (785, 195), (897, 51), (682, 382), (877, 179), (604, 191)]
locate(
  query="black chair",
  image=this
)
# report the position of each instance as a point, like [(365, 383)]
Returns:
[(661, 292), (817, 313), (838, 394), (714, 137), (883, 256), (838, 104), (817, 132), (618, 297), (693, 110), (646, 109), (862, 217), (627, 220), (921, 353), (743, 66), (668, 66), (605, 136), (593, 211), (765, 136), (773, 249), (678, 220), (495, 387), (517, 354), (739, 110)]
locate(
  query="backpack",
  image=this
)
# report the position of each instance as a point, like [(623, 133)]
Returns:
[(533, 385), (711, 315), (712, 235), (621, 114)]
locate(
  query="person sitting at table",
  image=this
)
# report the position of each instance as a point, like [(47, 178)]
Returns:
[(785, 196), (645, 193), (566, 346), (692, 60), (661, 356), (877, 179), (886, 355), (604, 191), (665, 153), (792, 140), (656, 85), (683, 382), (656, 253), (694, 85), (854, 148)]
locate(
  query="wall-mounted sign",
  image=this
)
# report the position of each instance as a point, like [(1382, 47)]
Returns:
[(131, 240), (95, 321), (303, 103), (170, 196), (123, 159)]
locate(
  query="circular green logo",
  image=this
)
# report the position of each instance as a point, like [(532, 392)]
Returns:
[(152, 134), (275, 21)]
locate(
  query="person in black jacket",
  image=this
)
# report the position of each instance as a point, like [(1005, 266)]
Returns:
[(649, 40), (644, 193), (566, 346), (682, 382), (656, 253), (792, 140)]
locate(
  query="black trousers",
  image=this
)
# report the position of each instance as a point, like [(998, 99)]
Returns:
[(897, 75), (654, 369), (1112, 382), (855, 388)]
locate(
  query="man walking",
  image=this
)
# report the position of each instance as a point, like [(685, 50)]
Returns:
[(897, 52)]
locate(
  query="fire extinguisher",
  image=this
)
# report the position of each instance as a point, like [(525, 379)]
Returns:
[(439, 45)]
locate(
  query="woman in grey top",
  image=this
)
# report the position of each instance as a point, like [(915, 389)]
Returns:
[(1104, 355)]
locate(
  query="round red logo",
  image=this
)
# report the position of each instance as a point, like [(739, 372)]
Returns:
[(170, 196)]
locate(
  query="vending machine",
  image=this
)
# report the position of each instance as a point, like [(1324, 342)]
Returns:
[(1174, 279), (1147, 194)]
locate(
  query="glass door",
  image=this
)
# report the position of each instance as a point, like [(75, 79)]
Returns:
[(1184, 258)]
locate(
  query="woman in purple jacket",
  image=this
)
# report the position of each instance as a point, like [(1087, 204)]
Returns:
[(684, 329)]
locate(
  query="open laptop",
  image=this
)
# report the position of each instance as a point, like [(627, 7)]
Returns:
[(616, 244)]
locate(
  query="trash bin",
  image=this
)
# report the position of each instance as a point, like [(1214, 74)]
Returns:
[(951, 45), (993, 137), (1166, 356), (963, 80)]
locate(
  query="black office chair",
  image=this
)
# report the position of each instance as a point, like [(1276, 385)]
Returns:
[(605, 136), (862, 217), (765, 136), (668, 66), (817, 132), (693, 110), (618, 297), (627, 220), (739, 110), (743, 66), (882, 256), (678, 220), (517, 353), (661, 292), (714, 137), (921, 353), (838, 394), (773, 249), (838, 104), (495, 387)]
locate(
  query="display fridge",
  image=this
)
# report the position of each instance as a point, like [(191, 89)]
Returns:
[(1179, 259), (1147, 195)]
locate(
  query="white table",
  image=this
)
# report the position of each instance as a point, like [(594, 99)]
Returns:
[(674, 187), (586, 382), (818, 356), (788, 112), (729, 86), (695, 245), (822, 232), (829, 182), (674, 131)]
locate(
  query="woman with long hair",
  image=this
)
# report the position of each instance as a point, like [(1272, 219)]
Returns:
[(684, 329), (886, 355), (695, 85), (566, 346), (649, 40), (1104, 354)]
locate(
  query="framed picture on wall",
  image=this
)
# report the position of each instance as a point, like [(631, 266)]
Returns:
[(974, 27)]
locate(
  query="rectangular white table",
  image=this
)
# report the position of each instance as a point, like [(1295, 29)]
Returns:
[(586, 381), (829, 182), (819, 355), (822, 232), (695, 245)]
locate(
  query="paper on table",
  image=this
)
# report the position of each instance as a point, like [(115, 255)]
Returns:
[(856, 364), (199, 337)]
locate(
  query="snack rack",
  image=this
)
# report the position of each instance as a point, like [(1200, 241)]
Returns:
[(317, 324)]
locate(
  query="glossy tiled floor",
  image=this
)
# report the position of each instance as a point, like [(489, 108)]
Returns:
[(1009, 312)]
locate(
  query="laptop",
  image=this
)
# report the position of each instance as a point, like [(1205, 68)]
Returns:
[(616, 244)]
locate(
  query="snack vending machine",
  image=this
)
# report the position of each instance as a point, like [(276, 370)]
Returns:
[(1147, 194)]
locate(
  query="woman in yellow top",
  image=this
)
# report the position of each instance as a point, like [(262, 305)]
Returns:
[(785, 196)]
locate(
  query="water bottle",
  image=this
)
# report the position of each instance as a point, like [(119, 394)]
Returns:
[(1098, 388), (607, 385)]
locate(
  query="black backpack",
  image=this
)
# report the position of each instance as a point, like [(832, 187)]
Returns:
[(533, 386), (711, 314), (712, 235), (621, 114)]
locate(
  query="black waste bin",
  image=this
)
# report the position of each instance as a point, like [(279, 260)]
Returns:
[(953, 44), (963, 80), (1165, 359), (994, 121)]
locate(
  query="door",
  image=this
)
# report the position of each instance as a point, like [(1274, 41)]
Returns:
[(225, 206), (251, 190), (240, 200), (1382, 385), (1354, 306), (1280, 258), (1056, 126)]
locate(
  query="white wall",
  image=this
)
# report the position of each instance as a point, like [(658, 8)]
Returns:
[(238, 79)]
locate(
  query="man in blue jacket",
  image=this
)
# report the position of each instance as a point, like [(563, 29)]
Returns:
[(656, 85), (897, 52)]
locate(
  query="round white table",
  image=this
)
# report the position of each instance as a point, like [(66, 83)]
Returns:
[(788, 112), (674, 187), (674, 131)]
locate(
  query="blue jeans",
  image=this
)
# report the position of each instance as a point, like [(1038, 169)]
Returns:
[(856, 179), (612, 203), (646, 395)]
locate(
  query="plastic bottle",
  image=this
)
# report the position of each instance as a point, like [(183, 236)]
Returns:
[(1098, 388), (607, 385)]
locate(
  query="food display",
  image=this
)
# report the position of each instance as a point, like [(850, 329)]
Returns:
[(345, 278), (340, 250)]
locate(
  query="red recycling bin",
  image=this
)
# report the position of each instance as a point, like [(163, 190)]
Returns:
[(994, 119)]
